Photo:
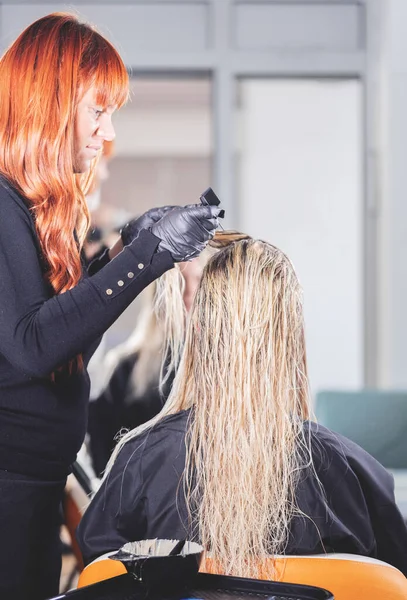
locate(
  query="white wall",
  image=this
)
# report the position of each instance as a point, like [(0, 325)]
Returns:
[(393, 214), (164, 132), (300, 188)]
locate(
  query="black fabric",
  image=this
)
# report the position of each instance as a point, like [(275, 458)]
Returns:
[(98, 261), (30, 547), (43, 422), (201, 587), (141, 498), (119, 408)]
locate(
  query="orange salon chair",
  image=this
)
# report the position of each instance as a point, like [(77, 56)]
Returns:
[(347, 576)]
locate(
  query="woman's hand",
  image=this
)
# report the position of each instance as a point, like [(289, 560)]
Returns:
[(185, 231), (131, 230)]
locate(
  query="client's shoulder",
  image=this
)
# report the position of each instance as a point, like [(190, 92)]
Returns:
[(326, 441), (166, 434), (333, 451), (326, 437), (176, 422)]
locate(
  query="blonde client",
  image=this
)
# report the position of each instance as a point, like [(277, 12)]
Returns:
[(232, 459)]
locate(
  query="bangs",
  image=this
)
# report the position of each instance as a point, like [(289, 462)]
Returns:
[(104, 69)]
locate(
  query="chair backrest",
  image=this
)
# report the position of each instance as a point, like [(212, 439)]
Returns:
[(100, 569), (74, 503), (374, 419), (347, 576)]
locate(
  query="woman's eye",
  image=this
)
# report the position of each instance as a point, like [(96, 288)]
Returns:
[(97, 112)]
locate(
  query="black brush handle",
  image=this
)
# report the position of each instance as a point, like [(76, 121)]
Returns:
[(209, 197)]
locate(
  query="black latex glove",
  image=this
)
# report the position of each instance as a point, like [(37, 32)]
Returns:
[(185, 231), (131, 230)]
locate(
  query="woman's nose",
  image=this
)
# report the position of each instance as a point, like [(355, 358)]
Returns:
[(106, 129)]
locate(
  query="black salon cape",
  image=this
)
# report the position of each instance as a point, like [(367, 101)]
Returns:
[(142, 499), (119, 407)]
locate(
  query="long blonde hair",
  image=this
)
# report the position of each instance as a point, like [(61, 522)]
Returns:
[(244, 373), (158, 336)]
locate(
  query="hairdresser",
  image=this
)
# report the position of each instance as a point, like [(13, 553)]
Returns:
[(60, 83)]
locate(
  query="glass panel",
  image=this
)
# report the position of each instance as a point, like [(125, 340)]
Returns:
[(300, 187)]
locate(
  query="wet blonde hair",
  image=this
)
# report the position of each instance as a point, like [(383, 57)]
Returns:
[(159, 334), (244, 372)]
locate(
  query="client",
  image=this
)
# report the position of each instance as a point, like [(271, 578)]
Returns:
[(232, 459)]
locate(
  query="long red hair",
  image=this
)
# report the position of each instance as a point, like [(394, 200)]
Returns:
[(43, 76)]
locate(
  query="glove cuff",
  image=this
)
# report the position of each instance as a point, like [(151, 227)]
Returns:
[(128, 235)]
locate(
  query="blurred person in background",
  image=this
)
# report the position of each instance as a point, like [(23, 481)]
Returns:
[(95, 244), (233, 459), (60, 83), (141, 370), (95, 238), (106, 220), (105, 226)]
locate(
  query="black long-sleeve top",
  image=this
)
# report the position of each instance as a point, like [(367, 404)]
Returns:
[(43, 422), (142, 498)]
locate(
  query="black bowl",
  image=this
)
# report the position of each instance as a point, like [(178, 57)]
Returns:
[(150, 561)]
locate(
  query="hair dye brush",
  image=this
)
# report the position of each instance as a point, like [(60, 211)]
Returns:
[(209, 198)]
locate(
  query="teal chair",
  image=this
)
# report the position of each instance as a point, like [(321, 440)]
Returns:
[(376, 420)]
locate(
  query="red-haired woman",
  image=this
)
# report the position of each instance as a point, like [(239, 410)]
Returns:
[(60, 83)]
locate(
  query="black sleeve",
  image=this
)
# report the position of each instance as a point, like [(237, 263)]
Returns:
[(116, 514), (39, 333), (99, 261), (389, 528)]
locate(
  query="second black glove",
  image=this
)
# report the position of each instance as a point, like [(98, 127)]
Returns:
[(131, 230)]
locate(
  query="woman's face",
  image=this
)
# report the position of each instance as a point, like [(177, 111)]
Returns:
[(93, 126)]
